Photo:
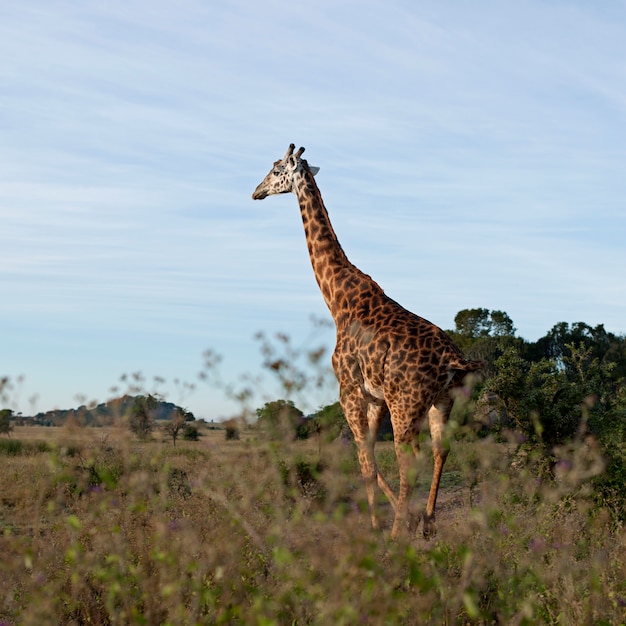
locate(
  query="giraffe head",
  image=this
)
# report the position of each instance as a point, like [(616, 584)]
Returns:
[(280, 177)]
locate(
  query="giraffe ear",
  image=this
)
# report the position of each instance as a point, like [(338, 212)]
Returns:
[(314, 170)]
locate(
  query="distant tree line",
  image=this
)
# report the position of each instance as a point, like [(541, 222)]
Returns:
[(142, 413), (103, 414)]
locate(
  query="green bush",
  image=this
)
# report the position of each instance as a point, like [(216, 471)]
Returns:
[(610, 485), (16, 447), (11, 447), (190, 433)]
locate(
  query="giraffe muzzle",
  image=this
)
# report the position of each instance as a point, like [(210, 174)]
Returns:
[(259, 194)]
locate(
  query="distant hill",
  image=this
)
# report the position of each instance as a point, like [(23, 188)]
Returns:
[(103, 414)]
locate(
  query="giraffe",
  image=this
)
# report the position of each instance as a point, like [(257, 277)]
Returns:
[(386, 359)]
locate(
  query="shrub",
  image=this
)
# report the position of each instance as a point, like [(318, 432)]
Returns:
[(190, 433), (16, 447), (231, 433), (11, 447)]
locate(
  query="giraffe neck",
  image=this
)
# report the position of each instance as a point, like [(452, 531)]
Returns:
[(329, 261)]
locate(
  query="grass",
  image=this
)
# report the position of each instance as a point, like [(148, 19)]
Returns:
[(98, 528)]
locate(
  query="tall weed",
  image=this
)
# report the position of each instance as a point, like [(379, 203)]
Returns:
[(223, 532)]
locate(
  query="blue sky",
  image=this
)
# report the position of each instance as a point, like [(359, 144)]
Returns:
[(471, 155)]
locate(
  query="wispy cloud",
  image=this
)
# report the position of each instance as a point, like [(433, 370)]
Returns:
[(471, 156)]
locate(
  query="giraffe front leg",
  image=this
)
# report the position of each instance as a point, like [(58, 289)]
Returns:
[(369, 472), (407, 468), (355, 410), (375, 415)]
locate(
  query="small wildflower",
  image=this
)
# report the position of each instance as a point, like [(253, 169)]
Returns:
[(563, 465)]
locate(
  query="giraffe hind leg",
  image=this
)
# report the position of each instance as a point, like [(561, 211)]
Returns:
[(376, 412), (414, 517), (437, 418)]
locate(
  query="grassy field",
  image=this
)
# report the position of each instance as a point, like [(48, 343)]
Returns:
[(98, 528)]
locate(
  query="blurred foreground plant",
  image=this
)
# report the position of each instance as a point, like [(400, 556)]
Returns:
[(99, 527)]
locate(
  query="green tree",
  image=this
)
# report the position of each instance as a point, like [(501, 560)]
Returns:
[(142, 412), (177, 423), (483, 334), (551, 400), (506, 390), (5, 421), (281, 419), (472, 323), (501, 324), (329, 421), (557, 341)]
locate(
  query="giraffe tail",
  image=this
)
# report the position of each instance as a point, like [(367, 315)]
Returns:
[(464, 365)]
